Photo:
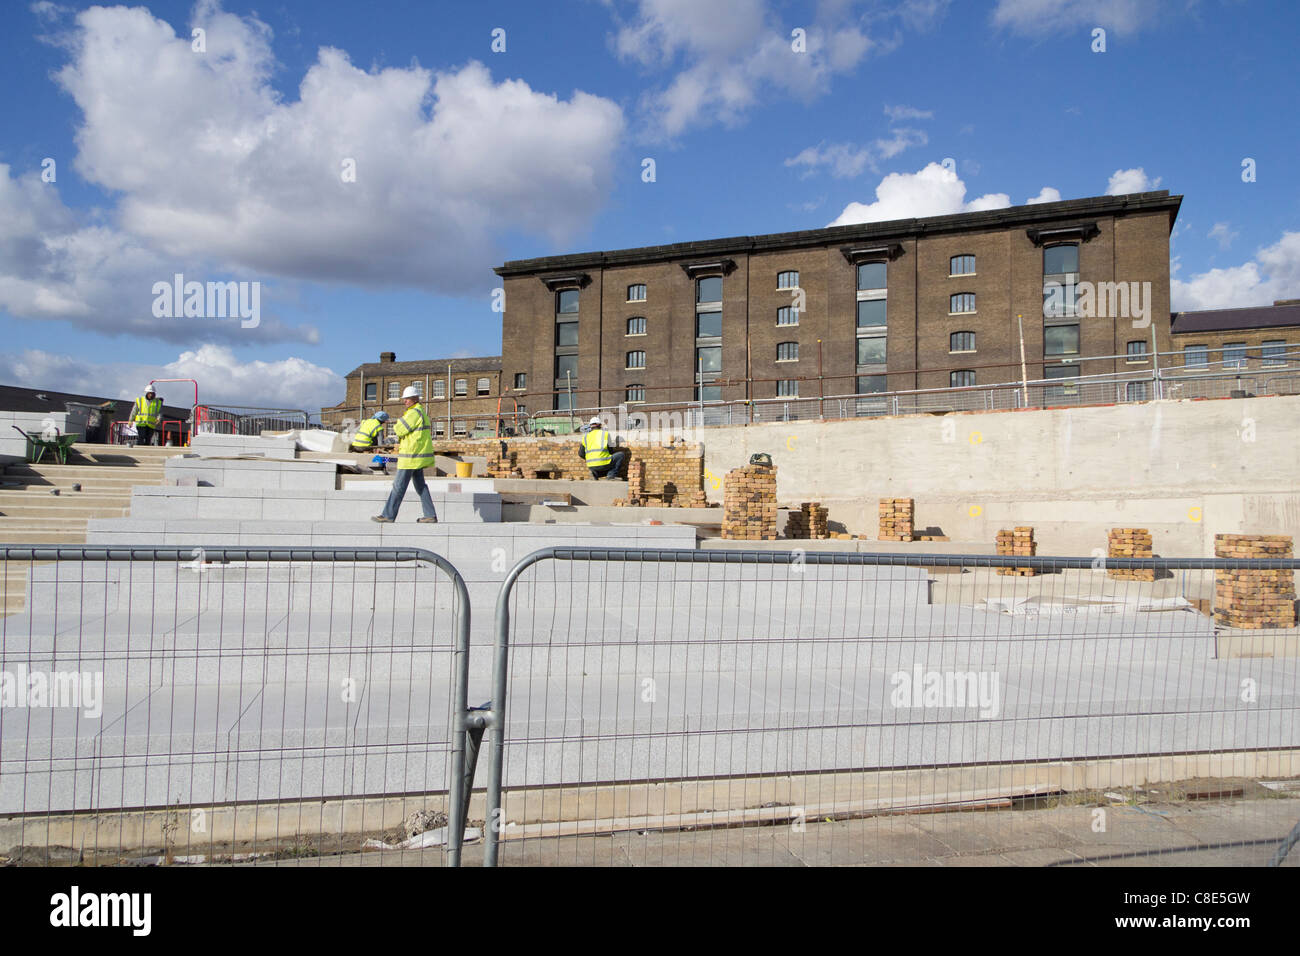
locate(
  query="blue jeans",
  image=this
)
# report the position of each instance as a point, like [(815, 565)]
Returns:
[(404, 477), (612, 468)]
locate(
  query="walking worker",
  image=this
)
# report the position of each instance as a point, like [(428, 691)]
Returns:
[(601, 462), (368, 435), (414, 454), (146, 415)]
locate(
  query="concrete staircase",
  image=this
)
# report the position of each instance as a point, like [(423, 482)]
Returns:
[(31, 513)]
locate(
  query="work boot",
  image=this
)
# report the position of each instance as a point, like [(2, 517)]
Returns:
[(382, 520), (433, 520)]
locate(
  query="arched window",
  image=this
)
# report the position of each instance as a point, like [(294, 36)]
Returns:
[(961, 302), (961, 342), (963, 265), (962, 378)]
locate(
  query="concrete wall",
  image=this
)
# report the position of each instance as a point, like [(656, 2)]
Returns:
[(219, 445), (1186, 469), (12, 445), (272, 473)]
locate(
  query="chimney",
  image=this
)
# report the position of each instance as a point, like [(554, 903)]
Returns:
[(387, 356)]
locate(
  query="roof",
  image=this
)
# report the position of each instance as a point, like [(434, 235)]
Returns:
[(1226, 320), (17, 398), (1038, 213), (485, 363)]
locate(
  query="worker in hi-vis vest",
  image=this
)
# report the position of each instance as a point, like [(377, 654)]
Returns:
[(414, 454), (146, 415), (601, 462), (370, 432)]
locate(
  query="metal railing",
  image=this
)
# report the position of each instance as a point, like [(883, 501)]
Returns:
[(221, 704), (738, 707), (247, 420)]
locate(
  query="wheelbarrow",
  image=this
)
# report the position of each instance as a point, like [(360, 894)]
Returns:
[(58, 446)]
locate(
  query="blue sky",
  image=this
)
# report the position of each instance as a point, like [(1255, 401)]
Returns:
[(230, 162)]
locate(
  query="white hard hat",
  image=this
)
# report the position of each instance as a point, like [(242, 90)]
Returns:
[(410, 392), (148, 389), (594, 421)]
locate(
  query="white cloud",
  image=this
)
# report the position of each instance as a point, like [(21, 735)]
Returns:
[(1273, 274), (899, 140), (1223, 234), (1124, 181), (846, 160), (218, 176), (897, 113), (1046, 194), (932, 191), (1055, 16), (730, 55), (222, 378)]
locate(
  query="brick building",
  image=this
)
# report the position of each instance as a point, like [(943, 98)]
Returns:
[(1257, 338), (460, 394), (917, 303)]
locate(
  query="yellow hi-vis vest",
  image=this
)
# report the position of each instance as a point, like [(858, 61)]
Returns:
[(147, 413), (414, 439), (595, 448), (368, 434)]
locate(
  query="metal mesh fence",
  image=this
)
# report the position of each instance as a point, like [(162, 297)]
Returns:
[(165, 705), (756, 708)]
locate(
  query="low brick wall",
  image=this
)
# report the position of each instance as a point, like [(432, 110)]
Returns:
[(671, 475), (1254, 599)]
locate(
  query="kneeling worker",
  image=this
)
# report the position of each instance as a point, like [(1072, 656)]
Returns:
[(368, 435), (595, 450), (414, 454)]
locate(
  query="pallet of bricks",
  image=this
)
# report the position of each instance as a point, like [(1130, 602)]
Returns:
[(1254, 599), (896, 519), (1018, 542), (808, 522), (749, 504), (1130, 543)]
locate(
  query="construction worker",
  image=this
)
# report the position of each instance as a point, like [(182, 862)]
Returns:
[(370, 432), (414, 454), (147, 413), (595, 450)]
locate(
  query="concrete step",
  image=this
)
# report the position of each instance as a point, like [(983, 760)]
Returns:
[(52, 507), (96, 484), (142, 473), (40, 494), (45, 535)]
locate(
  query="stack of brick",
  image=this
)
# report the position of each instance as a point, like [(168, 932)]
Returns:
[(1130, 543), (636, 482), (1018, 542), (698, 500), (808, 522), (896, 519), (749, 504), (1254, 599)]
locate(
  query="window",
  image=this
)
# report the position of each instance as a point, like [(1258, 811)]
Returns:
[(459, 429), (1061, 340), (1137, 351), (1234, 355), (636, 293), (1195, 356), (439, 389), (636, 359), (787, 351), (961, 342), (564, 402), (708, 359), (709, 393), (961, 266), (708, 289), (787, 280), (484, 386), (867, 384), (871, 275), (871, 350), (871, 313), (480, 426), (636, 325), (1273, 352), (708, 325), (566, 367), (1060, 260), (1060, 281), (1057, 394), (439, 430), (394, 390), (787, 388), (635, 393), (962, 378), (372, 391), (419, 388), (566, 333), (787, 315), (521, 379), (566, 301), (870, 385), (1135, 392), (961, 302), (461, 388)]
